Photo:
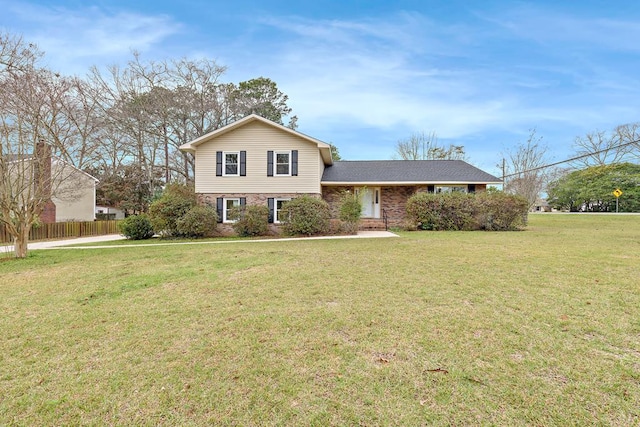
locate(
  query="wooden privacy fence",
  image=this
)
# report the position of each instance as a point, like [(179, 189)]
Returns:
[(64, 230)]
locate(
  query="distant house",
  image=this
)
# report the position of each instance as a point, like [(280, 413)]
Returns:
[(256, 161), (109, 213), (75, 198), (70, 192), (541, 205)]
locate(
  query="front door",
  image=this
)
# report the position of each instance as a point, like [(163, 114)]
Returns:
[(370, 202)]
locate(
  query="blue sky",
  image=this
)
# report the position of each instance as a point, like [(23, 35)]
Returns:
[(364, 74)]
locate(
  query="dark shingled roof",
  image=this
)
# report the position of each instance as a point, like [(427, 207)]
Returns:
[(409, 171)]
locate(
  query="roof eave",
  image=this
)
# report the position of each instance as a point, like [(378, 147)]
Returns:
[(323, 146), (398, 183), (187, 147)]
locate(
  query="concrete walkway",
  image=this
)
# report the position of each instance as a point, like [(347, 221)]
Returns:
[(49, 244), (65, 244)]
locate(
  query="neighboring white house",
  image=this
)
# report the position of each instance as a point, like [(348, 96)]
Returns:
[(75, 195), (69, 192), (108, 212)]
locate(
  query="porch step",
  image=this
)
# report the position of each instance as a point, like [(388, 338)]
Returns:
[(371, 224)]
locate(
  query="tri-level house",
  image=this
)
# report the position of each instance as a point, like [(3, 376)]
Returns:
[(254, 161)]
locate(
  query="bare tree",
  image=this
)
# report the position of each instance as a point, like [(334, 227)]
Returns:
[(196, 103), (601, 148), (524, 173), (125, 106), (156, 106), (422, 146), (30, 98), (630, 134), (81, 125), (16, 55), (123, 124)]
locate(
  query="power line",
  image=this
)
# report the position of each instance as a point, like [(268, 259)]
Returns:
[(570, 160)]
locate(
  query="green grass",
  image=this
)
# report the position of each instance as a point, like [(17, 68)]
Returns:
[(539, 327)]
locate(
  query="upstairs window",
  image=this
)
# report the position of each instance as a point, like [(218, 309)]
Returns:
[(283, 163), (231, 163)]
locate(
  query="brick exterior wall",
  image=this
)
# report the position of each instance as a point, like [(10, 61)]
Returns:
[(48, 215), (252, 199), (394, 201), (43, 181), (332, 196)]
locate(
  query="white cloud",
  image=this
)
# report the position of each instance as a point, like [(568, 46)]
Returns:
[(580, 28), (487, 78), (73, 39), (382, 73), (408, 72)]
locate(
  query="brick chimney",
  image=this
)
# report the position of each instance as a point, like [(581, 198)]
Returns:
[(42, 180)]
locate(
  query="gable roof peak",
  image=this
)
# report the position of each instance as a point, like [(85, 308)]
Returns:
[(324, 148)]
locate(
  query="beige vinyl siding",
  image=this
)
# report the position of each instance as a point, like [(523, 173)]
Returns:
[(256, 139), (321, 172), (74, 195)]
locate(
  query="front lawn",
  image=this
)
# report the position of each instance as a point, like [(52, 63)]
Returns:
[(538, 327)]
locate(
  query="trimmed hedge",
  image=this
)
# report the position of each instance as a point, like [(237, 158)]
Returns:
[(489, 210)]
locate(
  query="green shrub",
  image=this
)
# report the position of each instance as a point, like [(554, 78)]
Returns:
[(490, 210), (251, 220), (450, 211), (350, 211), (176, 200), (498, 211), (199, 221), (423, 210), (305, 215), (136, 227)]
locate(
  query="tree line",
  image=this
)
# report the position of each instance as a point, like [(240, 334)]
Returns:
[(603, 162), (124, 124), (121, 124)]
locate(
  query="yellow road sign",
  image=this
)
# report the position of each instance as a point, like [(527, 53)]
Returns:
[(617, 192)]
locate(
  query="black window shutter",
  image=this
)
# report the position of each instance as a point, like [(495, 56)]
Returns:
[(219, 204), (471, 188), (294, 163), (269, 163), (218, 163), (271, 204), (243, 163), (243, 201), (431, 188)]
